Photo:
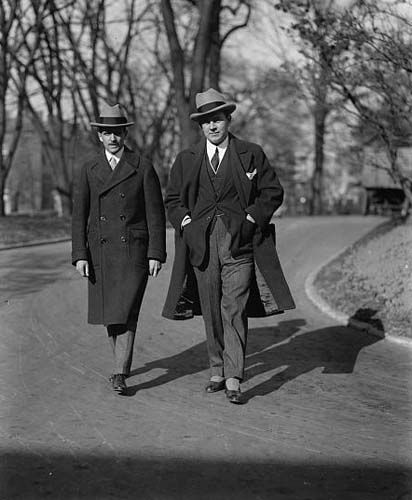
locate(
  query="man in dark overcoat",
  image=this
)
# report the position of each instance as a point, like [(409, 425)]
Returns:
[(118, 235), (220, 199)]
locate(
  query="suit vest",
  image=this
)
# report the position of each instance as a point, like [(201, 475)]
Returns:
[(217, 195)]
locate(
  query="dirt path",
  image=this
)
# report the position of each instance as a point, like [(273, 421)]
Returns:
[(327, 417)]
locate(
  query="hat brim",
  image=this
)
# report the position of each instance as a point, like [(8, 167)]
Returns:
[(111, 125), (230, 107)]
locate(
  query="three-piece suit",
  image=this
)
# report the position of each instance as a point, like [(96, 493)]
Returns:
[(225, 267)]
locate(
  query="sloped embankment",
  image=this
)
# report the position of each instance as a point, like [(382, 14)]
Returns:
[(372, 280)]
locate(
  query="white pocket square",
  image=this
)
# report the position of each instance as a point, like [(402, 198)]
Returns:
[(250, 175)]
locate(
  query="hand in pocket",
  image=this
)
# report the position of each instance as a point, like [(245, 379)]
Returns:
[(247, 230)]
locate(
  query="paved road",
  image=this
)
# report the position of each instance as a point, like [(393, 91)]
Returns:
[(327, 417)]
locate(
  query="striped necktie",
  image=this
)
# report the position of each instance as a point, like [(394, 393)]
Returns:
[(112, 162)]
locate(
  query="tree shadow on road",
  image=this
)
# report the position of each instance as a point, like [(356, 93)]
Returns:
[(44, 473), (335, 349)]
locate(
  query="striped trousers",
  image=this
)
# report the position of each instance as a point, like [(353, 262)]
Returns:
[(224, 286)]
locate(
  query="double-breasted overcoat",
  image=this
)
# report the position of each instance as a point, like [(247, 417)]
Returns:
[(118, 224), (260, 194)]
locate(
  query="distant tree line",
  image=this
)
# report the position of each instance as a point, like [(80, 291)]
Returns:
[(357, 62), (60, 59)]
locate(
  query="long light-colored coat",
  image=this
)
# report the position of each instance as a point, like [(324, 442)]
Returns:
[(118, 224)]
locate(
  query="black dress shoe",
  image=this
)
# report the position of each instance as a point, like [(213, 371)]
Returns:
[(213, 386), (235, 397), (118, 383)]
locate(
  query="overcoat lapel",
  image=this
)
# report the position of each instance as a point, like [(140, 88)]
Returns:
[(101, 168), (126, 167), (198, 152), (240, 159)]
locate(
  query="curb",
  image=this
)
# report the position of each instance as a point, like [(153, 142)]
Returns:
[(338, 316), (34, 243)]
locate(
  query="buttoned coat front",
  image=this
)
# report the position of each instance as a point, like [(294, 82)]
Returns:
[(118, 224), (260, 193)]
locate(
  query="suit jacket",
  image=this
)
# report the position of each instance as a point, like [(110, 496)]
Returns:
[(260, 194), (118, 223), (256, 182)]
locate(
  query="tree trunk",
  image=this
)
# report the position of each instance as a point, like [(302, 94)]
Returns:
[(316, 183), (215, 48), (185, 100), (190, 131), (2, 189), (66, 203)]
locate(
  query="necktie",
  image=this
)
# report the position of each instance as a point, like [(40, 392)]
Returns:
[(215, 161), (112, 162)]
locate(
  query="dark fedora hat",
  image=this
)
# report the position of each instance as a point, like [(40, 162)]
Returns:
[(209, 102), (111, 116)]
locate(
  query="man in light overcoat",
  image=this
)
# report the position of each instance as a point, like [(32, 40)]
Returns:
[(221, 197), (118, 235)]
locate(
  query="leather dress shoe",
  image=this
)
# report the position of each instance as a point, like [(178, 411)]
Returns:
[(235, 397), (213, 386), (118, 383)]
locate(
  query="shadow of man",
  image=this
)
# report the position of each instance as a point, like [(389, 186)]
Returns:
[(335, 349), (195, 359), (187, 362)]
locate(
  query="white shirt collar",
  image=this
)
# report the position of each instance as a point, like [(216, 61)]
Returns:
[(211, 148), (116, 157)]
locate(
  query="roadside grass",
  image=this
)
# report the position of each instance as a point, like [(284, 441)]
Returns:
[(372, 280), (15, 229)]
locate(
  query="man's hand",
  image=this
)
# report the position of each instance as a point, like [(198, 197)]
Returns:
[(154, 267), (83, 267)]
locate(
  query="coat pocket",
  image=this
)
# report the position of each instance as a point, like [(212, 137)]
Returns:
[(247, 230)]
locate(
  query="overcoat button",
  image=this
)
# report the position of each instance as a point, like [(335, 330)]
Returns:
[(123, 238), (122, 217), (122, 195), (102, 240), (103, 218)]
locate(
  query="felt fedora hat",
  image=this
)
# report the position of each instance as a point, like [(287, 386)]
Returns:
[(111, 116), (209, 102)]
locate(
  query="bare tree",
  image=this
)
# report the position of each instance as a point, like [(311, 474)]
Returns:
[(13, 76), (47, 83), (123, 63), (86, 52), (190, 66), (227, 18), (377, 79), (315, 27), (85, 57)]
